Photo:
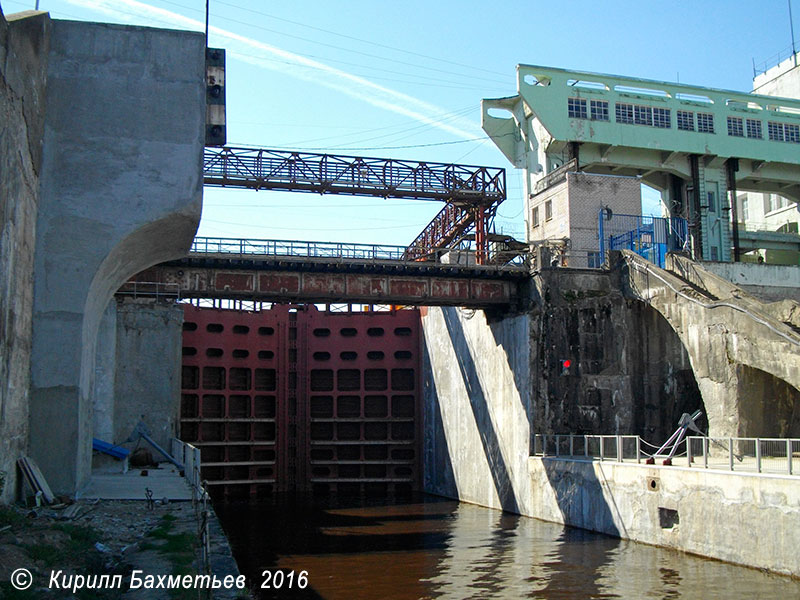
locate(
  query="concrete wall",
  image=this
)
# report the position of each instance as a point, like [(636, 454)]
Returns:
[(629, 373), (770, 283), (490, 385), (147, 382), (121, 189), (476, 399), (741, 518), (23, 65)]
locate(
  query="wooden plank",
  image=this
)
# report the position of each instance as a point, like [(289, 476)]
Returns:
[(39, 483)]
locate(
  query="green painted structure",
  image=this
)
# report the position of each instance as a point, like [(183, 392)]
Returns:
[(698, 146)]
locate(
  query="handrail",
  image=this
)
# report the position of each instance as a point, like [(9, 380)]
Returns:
[(775, 456)]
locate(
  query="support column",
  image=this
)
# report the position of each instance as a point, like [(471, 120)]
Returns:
[(120, 190)]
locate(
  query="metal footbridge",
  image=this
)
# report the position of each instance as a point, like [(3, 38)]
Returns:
[(471, 193), (330, 272)]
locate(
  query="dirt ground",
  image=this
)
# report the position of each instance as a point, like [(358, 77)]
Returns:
[(102, 537)]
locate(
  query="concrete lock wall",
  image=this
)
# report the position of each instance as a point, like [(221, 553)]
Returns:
[(476, 398), (121, 190), (490, 384), (741, 518), (147, 382), (23, 63)]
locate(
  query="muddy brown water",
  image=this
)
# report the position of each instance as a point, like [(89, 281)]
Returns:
[(430, 547)]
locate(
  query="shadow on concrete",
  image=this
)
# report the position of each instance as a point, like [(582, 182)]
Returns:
[(438, 476), (480, 410), (580, 497), (512, 340)]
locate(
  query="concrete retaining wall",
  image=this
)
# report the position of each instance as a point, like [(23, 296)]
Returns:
[(740, 518), (476, 397), (24, 44), (147, 384)]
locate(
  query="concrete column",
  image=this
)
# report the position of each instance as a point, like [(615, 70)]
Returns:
[(104, 371), (121, 190)]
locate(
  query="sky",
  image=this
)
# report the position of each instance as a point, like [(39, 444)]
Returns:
[(405, 80)]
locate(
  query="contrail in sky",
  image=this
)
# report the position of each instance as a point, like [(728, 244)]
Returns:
[(330, 77)]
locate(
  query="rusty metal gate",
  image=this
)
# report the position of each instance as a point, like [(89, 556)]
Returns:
[(297, 399)]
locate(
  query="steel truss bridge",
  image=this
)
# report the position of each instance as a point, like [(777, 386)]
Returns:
[(320, 272), (471, 193)]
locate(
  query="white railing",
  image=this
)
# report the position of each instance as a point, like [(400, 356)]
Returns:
[(776, 456), (603, 447), (189, 457), (754, 455)]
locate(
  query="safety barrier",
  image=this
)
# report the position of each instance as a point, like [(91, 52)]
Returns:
[(775, 456)]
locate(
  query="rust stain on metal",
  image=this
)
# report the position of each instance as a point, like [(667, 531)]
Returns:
[(408, 288), (489, 290), (450, 289), (365, 286), (280, 283), (235, 282), (323, 284)]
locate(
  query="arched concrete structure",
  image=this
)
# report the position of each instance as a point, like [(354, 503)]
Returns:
[(120, 190), (733, 342)]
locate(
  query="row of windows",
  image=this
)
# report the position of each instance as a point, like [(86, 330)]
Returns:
[(687, 120)]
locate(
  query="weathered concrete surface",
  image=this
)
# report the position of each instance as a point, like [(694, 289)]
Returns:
[(629, 373), (121, 190), (746, 362), (489, 386), (24, 41), (476, 397), (768, 283), (104, 371), (147, 383), (740, 518)]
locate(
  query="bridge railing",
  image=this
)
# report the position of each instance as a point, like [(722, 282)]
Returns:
[(210, 245), (777, 456), (336, 250)]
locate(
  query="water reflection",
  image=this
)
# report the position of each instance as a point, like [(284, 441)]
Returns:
[(429, 547)]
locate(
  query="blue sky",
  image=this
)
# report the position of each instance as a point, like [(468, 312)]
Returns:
[(405, 80)]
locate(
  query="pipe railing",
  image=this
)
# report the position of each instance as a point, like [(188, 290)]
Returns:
[(775, 456)]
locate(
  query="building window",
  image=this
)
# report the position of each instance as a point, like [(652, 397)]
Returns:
[(686, 120), (642, 115), (599, 110), (784, 132), (791, 133), (714, 253), (661, 118), (736, 126), (775, 131), (754, 129), (712, 204), (535, 217), (745, 216), (548, 210), (576, 108), (624, 113), (705, 122), (593, 260)]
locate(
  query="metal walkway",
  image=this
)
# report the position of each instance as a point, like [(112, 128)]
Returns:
[(472, 193)]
